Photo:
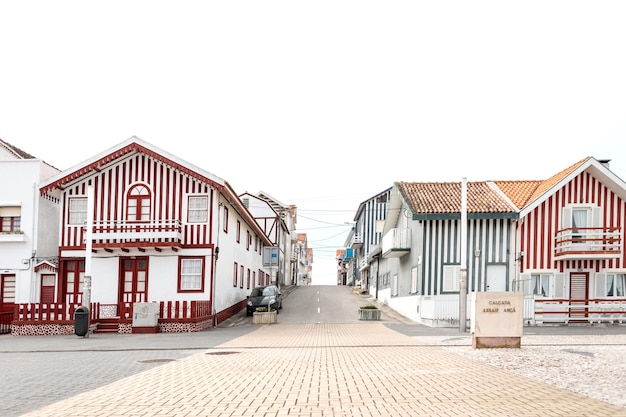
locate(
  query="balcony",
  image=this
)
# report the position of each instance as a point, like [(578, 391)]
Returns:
[(347, 256), (588, 243), (166, 232), (357, 242), (396, 243)]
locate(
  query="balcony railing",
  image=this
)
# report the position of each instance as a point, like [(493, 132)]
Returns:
[(357, 241), (588, 243), (123, 230), (396, 243)]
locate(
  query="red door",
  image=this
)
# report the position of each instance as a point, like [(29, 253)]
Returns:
[(134, 280), (47, 289)]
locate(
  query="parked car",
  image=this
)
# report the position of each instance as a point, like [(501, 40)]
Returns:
[(261, 297)]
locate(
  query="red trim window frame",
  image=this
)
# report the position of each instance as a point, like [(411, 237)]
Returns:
[(138, 203), (248, 279), (238, 233), (241, 269), (225, 219), (191, 273), (248, 239), (235, 275)]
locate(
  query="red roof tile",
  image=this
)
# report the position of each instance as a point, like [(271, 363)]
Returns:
[(446, 198)]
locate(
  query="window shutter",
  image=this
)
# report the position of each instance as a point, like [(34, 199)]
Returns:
[(566, 219), (524, 284), (559, 286), (394, 285), (600, 285), (596, 217), (414, 280), (451, 278)]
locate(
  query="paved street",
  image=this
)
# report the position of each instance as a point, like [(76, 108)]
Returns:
[(386, 368)]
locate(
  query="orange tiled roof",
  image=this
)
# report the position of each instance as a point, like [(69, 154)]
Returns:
[(446, 198), (550, 182), (519, 192)]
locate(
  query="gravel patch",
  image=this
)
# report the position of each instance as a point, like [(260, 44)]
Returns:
[(593, 366)]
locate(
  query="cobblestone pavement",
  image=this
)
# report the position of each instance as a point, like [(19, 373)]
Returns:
[(364, 369)]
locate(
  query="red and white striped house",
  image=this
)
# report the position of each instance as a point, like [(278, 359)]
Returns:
[(569, 245), (164, 232)]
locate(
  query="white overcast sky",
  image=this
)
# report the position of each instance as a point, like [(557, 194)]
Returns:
[(321, 104)]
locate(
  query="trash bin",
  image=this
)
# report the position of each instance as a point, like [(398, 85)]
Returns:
[(81, 321)]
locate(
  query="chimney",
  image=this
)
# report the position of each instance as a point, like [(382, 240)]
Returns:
[(605, 162)]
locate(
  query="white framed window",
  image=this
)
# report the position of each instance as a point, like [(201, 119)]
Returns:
[(615, 285), (545, 284), (198, 209), (191, 274), (611, 284), (451, 275), (78, 210), (540, 284)]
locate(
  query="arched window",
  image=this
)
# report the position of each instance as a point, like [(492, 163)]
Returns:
[(138, 204)]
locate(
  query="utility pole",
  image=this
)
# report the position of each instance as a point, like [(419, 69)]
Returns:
[(88, 247), (463, 277)]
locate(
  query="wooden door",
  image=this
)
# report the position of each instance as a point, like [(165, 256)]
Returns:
[(579, 295), (134, 280), (7, 292), (47, 288)]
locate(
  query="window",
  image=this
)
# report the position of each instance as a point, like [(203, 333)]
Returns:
[(579, 223), (248, 239), (78, 210), (540, 284), (235, 275), (10, 219), (451, 276), (225, 219), (394, 285), (248, 279), (238, 232), (191, 274), (138, 204), (241, 269), (197, 209), (615, 285)]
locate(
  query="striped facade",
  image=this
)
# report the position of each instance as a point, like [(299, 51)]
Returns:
[(536, 230), (488, 243), (168, 188)]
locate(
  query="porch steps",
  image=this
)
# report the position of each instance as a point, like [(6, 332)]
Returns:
[(108, 325)]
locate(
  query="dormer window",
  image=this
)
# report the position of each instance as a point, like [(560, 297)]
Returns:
[(138, 204)]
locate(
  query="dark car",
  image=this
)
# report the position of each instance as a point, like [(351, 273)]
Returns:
[(260, 297)]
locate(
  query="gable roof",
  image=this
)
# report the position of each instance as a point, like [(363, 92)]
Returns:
[(19, 154), (546, 188), (120, 151), (134, 145)]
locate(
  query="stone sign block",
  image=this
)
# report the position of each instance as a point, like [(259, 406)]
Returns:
[(497, 319)]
